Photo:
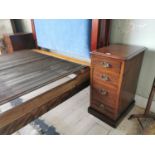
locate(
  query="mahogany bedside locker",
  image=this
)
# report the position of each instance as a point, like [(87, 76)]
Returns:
[(114, 75)]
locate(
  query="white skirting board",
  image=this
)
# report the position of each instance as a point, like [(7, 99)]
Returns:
[(141, 102)]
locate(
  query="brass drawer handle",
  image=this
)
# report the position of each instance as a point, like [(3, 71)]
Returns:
[(106, 64), (102, 106), (105, 78), (103, 92)]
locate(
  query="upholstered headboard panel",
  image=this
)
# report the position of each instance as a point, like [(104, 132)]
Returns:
[(69, 37)]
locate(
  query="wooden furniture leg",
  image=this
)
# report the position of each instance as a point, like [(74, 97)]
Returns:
[(147, 113)]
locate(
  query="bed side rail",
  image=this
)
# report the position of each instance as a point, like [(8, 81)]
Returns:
[(16, 118)]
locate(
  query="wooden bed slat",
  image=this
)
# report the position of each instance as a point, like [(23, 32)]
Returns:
[(25, 71), (20, 57), (21, 115)]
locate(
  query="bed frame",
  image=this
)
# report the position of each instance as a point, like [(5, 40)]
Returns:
[(20, 115)]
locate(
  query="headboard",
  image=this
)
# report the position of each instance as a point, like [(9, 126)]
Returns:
[(69, 37)]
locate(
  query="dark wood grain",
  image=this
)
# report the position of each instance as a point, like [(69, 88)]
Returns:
[(94, 34), (109, 118), (129, 81), (26, 71), (20, 58), (34, 33), (120, 52), (106, 78), (99, 61), (18, 41), (113, 93), (14, 119), (100, 33), (104, 33)]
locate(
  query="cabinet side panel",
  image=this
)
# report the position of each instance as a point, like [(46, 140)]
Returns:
[(130, 80)]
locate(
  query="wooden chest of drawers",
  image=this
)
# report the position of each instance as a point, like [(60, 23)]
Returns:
[(114, 75)]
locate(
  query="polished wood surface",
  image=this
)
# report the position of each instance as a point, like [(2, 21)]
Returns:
[(19, 116), (106, 78), (104, 32), (94, 34), (25, 71), (104, 94), (129, 80), (34, 33), (100, 33), (18, 41), (104, 109), (100, 62), (121, 52), (114, 80)]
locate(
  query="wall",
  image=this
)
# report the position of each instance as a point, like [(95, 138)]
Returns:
[(5, 27), (23, 25), (26, 25), (138, 32)]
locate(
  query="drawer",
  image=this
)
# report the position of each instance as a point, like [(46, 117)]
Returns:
[(104, 109), (104, 95), (105, 78), (106, 64)]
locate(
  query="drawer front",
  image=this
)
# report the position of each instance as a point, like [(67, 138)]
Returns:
[(104, 95), (104, 109), (105, 78), (106, 64)]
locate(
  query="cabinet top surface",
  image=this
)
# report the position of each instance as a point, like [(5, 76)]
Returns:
[(118, 51)]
